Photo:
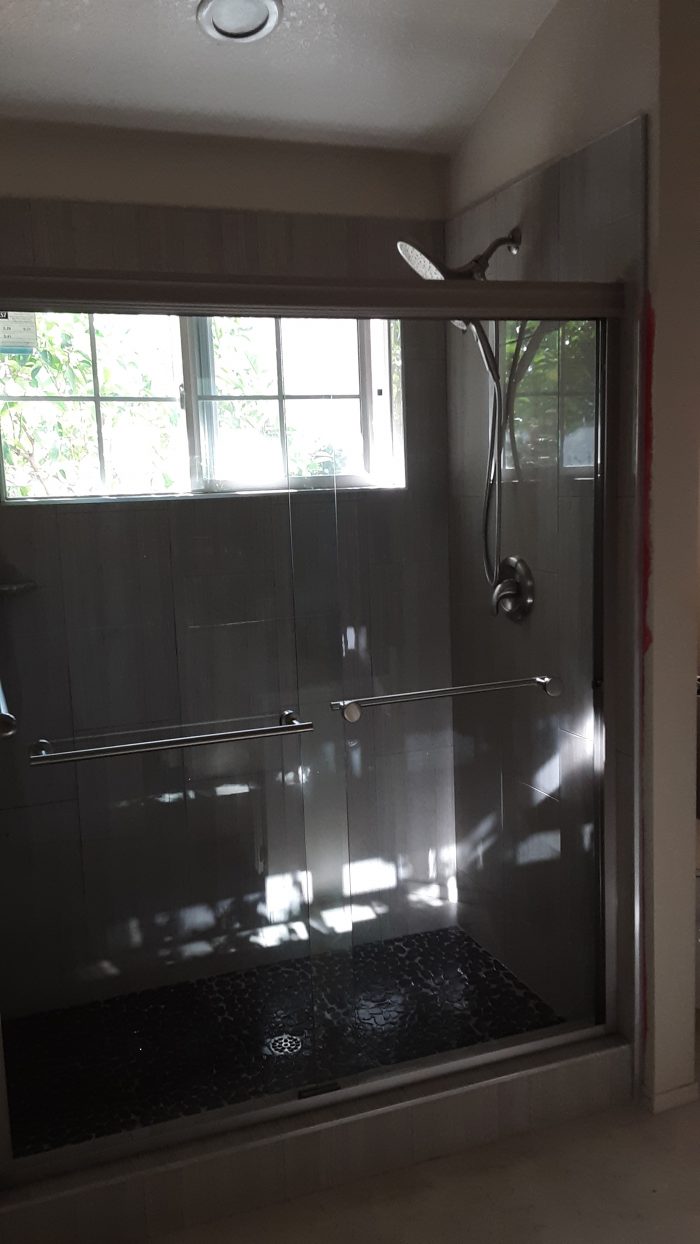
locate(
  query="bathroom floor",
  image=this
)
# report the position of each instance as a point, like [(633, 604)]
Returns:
[(148, 1057)]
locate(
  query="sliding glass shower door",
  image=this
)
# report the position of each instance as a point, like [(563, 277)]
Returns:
[(298, 793), (472, 737), (156, 941)]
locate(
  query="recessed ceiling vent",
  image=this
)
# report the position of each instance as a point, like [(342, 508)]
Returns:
[(239, 21)]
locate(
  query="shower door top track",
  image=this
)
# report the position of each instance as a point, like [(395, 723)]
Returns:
[(192, 295)]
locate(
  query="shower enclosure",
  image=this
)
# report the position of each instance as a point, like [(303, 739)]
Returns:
[(290, 810)]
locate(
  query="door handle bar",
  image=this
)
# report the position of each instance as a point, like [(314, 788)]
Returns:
[(352, 709)]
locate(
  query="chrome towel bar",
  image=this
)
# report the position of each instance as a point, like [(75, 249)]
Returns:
[(352, 709), (42, 752)]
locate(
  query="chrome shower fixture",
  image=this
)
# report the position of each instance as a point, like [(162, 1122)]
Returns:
[(509, 578), (475, 270)]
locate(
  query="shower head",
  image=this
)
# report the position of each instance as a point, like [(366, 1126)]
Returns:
[(428, 270), (475, 270), (422, 264)]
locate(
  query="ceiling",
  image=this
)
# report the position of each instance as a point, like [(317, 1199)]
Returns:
[(401, 73)]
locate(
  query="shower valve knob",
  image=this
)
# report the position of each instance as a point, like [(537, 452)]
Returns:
[(505, 595), (514, 592)]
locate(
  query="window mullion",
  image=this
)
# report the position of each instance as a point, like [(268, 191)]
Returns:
[(96, 397), (192, 405), (364, 356), (280, 397)]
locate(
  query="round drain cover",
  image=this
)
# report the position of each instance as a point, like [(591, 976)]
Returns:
[(285, 1043)]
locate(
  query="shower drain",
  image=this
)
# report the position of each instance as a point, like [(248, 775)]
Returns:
[(285, 1043)]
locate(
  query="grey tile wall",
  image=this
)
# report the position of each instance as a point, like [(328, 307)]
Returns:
[(153, 614), (34, 639), (51, 234), (527, 772), (372, 601)]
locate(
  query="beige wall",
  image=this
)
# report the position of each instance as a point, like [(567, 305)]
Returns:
[(134, 166), (591, 67)]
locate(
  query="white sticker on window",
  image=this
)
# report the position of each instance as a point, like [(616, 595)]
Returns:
[(17, 332)]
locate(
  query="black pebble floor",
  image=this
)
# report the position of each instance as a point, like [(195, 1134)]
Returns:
[(147, 1057)]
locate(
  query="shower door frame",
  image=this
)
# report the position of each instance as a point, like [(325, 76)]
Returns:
[(607, 304)]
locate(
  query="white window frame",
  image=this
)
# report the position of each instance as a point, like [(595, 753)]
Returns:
[(381, 425)]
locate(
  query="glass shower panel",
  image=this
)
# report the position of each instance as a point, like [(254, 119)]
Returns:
[(195, 925), (154, 901), (474, 833)]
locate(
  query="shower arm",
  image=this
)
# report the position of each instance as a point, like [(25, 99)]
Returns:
[(477, 267)]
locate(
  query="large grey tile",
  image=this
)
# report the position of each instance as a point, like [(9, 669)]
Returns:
[(232, 1181), (451, 1123), (575, 606), (415, 814), (34, 663), (532, 204), (119, 616), (600, 184), (570, 1090), (532, 892), (245, 670), (306, 1162), (409, 628), (624, 821), (42, 908), (529, 731), (359, 1146), (469, 404), (530, 520), (581, 860)]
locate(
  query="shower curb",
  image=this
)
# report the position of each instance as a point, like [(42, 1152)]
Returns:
[(141, 1199)]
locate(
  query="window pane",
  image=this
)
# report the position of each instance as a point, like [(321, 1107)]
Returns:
[(320, 356), (49, 449), (540, 353), (248, 447), (139, 355), (579, 357), (324, 437), (145, 447), (61, 363), (244, 357), (578, 432)]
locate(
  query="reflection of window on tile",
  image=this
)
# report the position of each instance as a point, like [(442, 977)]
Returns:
[(553, 396), (144, 405)]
